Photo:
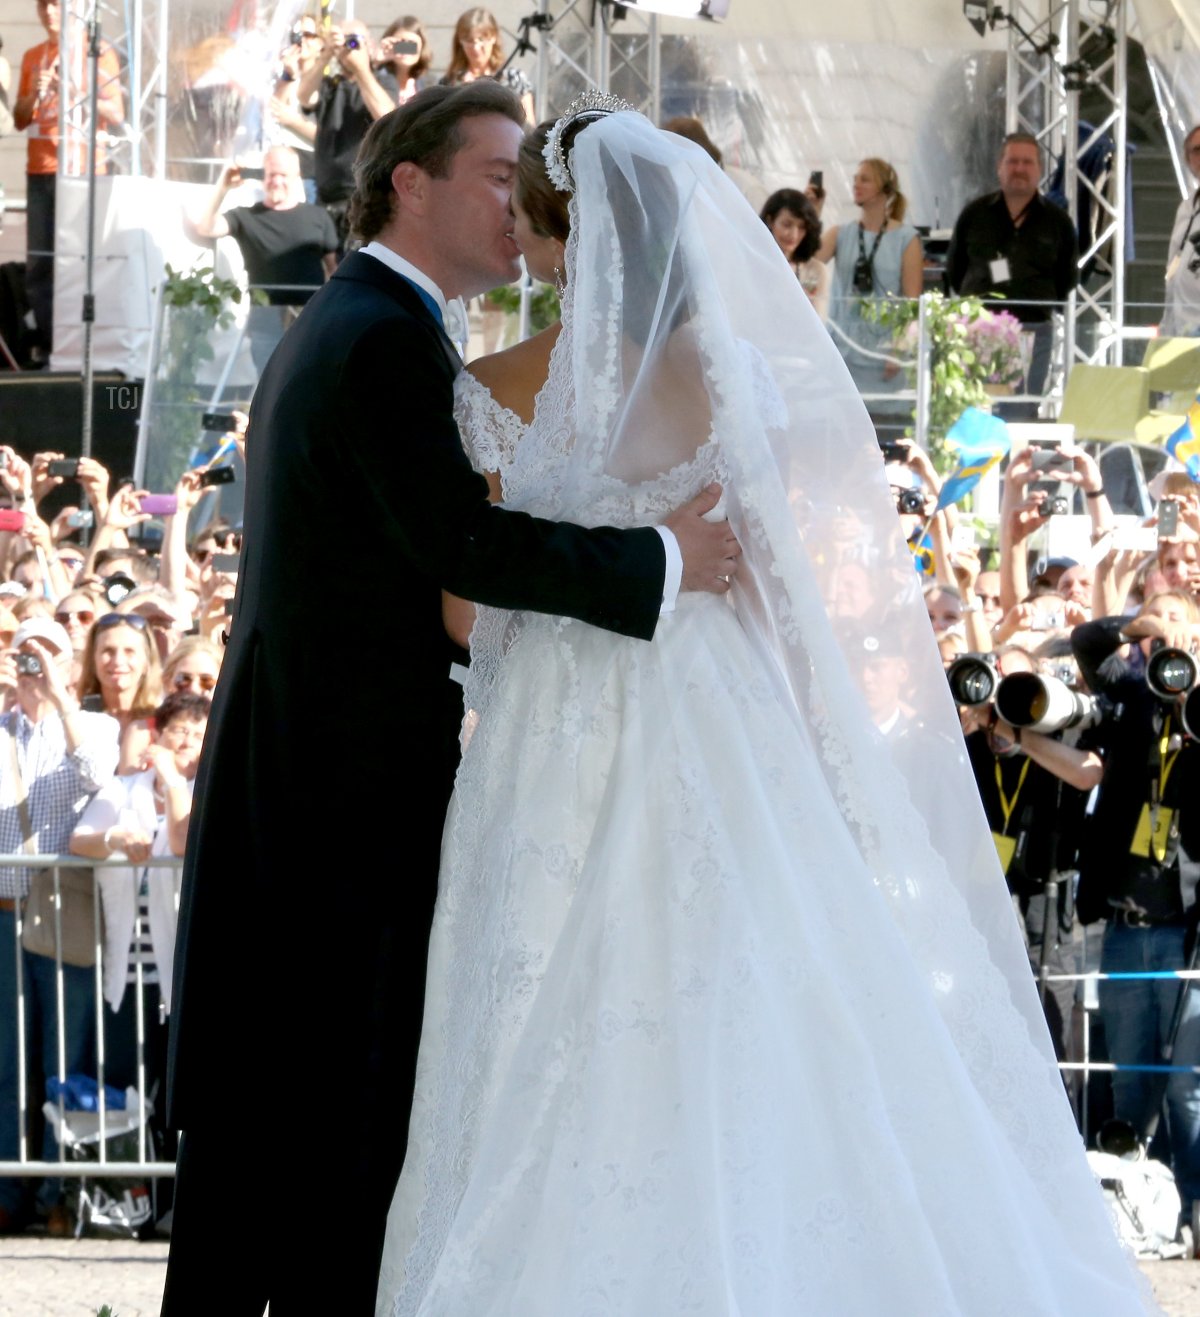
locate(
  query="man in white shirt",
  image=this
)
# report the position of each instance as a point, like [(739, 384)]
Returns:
[(53, 756)]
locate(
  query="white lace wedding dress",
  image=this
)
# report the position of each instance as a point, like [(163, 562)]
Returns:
[(725, 1016), (676, 1057)]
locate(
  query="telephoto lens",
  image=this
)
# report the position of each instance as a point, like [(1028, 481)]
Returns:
[(1191, 713), (973, 679), (1044, 704), (1170, 673)]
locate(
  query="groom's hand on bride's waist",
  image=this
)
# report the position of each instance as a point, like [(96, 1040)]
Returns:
[(709, 549)]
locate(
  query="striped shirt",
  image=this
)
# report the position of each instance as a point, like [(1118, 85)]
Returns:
[(58, 784)]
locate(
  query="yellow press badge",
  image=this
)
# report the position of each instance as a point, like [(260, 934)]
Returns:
[(1006, 848), (1162, 831)]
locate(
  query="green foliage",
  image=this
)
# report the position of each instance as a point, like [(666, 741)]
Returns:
[(543, 304), (959, 371), (203, 289), (196, 304)]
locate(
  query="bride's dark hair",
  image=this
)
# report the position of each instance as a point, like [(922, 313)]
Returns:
[(545, 205)]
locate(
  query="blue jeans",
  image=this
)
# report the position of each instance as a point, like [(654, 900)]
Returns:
[(1137, 1017), (41, 1050)]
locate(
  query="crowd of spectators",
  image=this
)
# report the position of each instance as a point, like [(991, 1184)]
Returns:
[(110, 656), (105, 725), (330, 82), (1095, 813)]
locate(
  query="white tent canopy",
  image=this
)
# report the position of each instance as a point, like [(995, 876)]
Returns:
[(783, 87)]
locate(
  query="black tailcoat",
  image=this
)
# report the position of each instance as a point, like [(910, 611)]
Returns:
[(313, 849)]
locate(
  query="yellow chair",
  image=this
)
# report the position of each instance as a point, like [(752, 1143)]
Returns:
[(1174, 366), (1113, 403)]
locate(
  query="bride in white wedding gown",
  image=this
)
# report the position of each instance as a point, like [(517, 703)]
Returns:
[(727, 1013)]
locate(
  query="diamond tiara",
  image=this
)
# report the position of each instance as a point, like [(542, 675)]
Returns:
[(584, 108)]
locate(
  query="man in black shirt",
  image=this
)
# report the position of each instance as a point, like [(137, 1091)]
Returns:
[(289, 247), (1137, 869), (1017, 245), (346, 103), (1032, 788)]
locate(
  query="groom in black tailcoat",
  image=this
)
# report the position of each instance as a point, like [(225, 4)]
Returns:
[(313, 849)]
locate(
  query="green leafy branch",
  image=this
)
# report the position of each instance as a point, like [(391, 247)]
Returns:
[(543, 304)]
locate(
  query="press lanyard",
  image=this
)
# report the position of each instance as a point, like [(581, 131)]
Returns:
[(1159, 789), (1007, 806), (862, 249), (1019, 218)]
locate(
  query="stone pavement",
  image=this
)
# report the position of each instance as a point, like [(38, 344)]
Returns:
[(73, 1278)]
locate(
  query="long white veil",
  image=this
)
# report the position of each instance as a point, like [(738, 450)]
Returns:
[(689, 351), (683, 326)]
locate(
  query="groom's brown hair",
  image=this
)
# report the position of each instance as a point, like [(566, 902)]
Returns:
[(425, 131)]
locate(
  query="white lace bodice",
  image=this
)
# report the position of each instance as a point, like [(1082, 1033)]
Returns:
[(490, 432), (528, 458)]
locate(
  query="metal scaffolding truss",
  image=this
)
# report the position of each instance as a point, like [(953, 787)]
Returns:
[(1056, 49), (584, 43), (140, 41)]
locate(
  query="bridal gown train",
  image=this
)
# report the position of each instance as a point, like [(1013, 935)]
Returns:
[(676, 1058), (710, 1029)]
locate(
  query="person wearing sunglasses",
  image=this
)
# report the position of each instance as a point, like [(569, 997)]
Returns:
[(75, 613), (193, 665), (169, 619), (121, 667)]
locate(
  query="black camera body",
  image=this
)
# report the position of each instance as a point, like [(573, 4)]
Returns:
[(117, 586), (29, 665), (864, 276), (910, 501), (1056, 503), (353, 41), (973, 679)]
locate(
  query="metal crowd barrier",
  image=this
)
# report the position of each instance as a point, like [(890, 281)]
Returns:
[(143, 1166)]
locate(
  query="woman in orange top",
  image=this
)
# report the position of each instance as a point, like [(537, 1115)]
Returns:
[(37, 107)]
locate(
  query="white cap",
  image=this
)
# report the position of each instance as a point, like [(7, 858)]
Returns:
[(45, 629)]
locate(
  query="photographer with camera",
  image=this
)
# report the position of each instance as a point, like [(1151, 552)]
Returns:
[(345, 104), (1138, 871), (406, 50), (1033, 786), (1029, 498), (53, 758), (288, 246)]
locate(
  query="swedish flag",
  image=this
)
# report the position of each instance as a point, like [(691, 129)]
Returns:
[(1184, 444), (981, 440)]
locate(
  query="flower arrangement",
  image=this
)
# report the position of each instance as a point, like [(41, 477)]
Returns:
[(995, 338)]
